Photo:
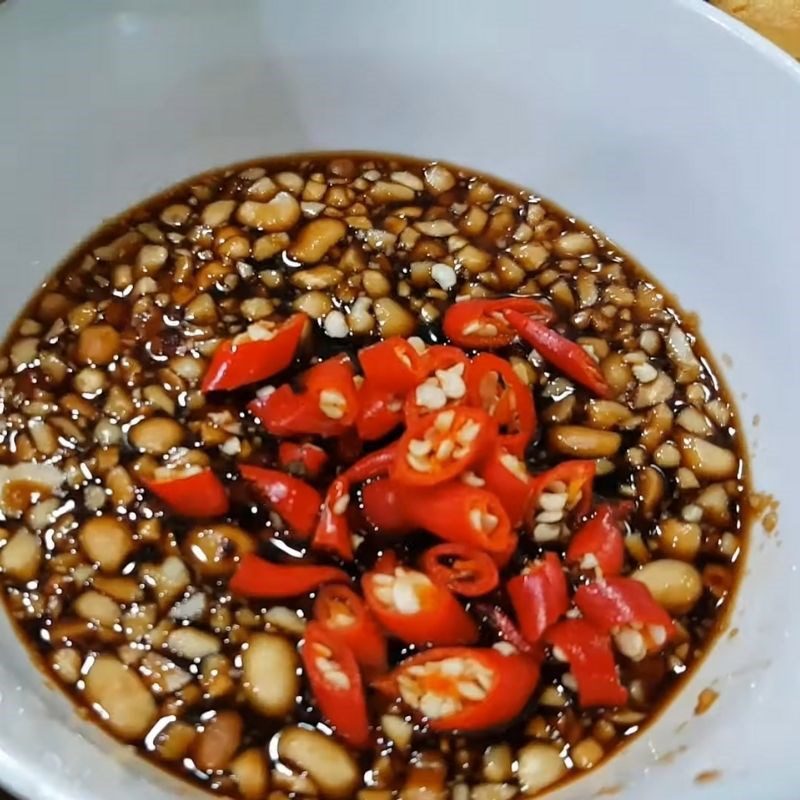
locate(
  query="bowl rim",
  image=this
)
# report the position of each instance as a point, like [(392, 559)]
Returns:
[(744, 33)]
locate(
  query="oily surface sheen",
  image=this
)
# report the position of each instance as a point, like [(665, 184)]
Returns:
[(128, 603)]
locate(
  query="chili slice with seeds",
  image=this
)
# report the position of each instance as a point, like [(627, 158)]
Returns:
[(591, 661), (462, 514), (626, 608), (599, 543), (392, 365), (191, 494), (558, 493), (438, 447), (465, 570), (412, 608), (342, 612), (332, 671), (493, 386), (481, 324), (563, 353), (463, 688), (264, 350), (333, 532), (326, 406)]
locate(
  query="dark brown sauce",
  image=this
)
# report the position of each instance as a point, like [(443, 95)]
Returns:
[(158, 339)]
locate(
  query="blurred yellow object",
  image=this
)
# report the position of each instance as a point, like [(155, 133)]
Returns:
[(778, 20)]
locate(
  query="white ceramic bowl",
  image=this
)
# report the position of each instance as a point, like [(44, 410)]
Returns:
[(671, 127)]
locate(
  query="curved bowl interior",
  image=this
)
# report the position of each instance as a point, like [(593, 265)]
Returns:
[(671, 128)]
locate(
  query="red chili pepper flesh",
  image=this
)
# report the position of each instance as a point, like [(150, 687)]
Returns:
[(591, 662), (625, 607), (332, 671), (506, 476), (440, 446), (199, 494), (464, 688), (392, 365), (481, 324), (539, 596), (345, 615), (465, 570), (493, 386), (442, 356), (599, 543), (261, 352), (258, 578), (569, 357), (384, 506), (307, 460), (333, 532), (326, 406), (463, 514), (293, 500), (412, 608), (380, 412)]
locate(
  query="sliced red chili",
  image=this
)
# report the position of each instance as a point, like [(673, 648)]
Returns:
[(463, 514), (506, 628), (411, 607), (493, 386), (464, 688), (339, 609), (626, 608), (442, 356), (380, 411), (463, 569), (293, 500), (332, 671), (506, 476), (564, 354), (591, 662), (384, 506), (191, 494), (307, 460), (539, 596), (333, 532), (326, 406), (599, 543), (564, 489), (264, 350), (480, 324), (256, 577), (392, 365), (441, 446)]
